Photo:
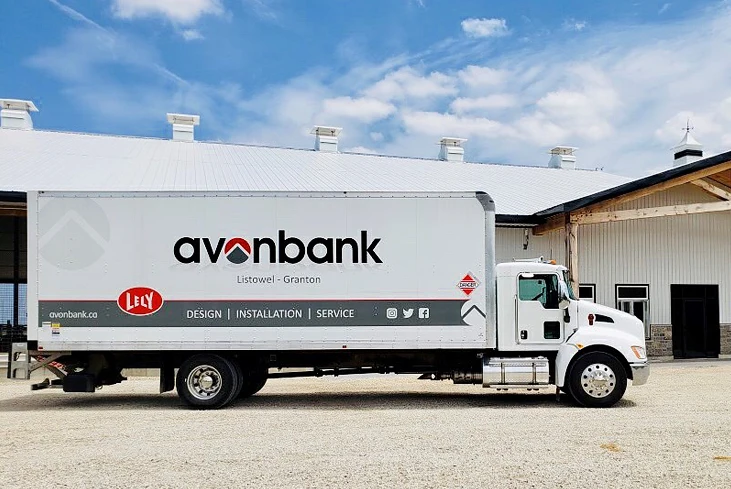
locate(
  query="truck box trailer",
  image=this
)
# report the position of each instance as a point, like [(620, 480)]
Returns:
[(224, 290)]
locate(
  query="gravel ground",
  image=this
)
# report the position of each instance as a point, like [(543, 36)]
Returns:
[(381, 432)]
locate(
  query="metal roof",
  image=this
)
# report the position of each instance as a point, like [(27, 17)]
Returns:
[(46, 160), (637, 184)]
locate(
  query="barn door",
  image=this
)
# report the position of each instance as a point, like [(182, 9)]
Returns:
[(694, 313)]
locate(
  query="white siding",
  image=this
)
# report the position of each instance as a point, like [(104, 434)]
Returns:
[(693, 249), (509, 245)]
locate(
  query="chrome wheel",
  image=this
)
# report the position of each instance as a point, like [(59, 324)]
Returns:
[(204, 382), (598, 380)]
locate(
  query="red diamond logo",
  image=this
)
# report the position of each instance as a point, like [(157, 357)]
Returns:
[(468, 284)]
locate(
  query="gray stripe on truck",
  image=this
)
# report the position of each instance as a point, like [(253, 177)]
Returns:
[(256, 314)]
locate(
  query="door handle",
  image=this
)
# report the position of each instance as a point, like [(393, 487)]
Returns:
[(523, 334)]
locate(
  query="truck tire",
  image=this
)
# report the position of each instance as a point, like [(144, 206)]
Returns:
[(239, 379), (597, 379), (207, 381), (253, 382)]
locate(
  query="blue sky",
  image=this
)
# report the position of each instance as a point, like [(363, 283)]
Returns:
[(617, 79)]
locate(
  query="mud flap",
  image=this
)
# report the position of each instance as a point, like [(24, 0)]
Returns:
[(167, 376)]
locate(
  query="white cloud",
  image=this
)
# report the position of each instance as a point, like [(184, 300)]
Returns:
[(362, 109), (540, 130), (362, 150), (485, 27), (462, 105), (87, 65), (583, 108), (712, 124), (75, 15), (406, 82), (376, 136), (664, 8), (178, 11), (191, 35), (263, 9), (481, 76), (574, 25), (439, 124), (282, 114)]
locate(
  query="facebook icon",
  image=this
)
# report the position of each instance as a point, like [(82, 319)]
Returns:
[(423, 313)]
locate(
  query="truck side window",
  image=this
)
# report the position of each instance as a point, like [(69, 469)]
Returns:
[(542, 288)]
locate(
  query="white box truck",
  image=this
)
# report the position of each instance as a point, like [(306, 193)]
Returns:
[(223, 291)]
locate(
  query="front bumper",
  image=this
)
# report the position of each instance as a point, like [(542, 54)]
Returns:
[(640, 373)]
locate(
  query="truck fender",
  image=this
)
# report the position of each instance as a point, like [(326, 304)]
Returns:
[(595, 336)]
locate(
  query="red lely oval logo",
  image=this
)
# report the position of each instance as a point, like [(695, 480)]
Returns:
[(140, 301)]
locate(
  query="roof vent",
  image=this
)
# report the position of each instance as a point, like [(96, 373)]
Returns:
[(15, 114), (183, 125), (563, 157), (688, 150), (451, 149), (326, 138)]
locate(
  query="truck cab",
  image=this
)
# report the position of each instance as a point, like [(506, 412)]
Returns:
[(538, 312)]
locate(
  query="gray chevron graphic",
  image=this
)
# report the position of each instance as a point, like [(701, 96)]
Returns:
[(473, 308)]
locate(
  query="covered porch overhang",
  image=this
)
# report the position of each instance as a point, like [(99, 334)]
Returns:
[(712, 175)]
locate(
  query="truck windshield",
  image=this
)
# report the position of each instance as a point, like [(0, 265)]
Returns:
[(566, 280)]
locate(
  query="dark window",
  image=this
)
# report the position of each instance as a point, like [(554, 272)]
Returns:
[(7, 303), (552, 330), (22, 304), (13, 289), (632, 292), (587, 292), (542, 288), (635, 300)]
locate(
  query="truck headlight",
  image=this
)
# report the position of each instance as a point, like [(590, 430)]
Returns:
[(639, 352)]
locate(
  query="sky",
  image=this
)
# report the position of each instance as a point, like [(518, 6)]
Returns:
[(616, 79)]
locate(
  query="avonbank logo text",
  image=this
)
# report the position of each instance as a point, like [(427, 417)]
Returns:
[(285, 249)]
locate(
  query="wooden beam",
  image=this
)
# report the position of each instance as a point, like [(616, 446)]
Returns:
[(713, 189), (572, 253), (643, 192), (553, 223), (724, 178), (13, 210), (671, 210), (557, 221)]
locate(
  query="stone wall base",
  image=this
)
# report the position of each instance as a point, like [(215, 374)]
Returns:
[(726, 339), (660, 343)]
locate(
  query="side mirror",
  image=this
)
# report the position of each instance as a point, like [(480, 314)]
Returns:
[(564, 299)]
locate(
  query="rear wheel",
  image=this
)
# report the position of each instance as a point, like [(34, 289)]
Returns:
[(597, 379), (208, 381), (239, 379), (254, 380)]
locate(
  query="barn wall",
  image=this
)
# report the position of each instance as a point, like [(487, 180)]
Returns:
[(658, 252), (694, 249)]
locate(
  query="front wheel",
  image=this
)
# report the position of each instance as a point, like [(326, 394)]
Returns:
[(597, 379)]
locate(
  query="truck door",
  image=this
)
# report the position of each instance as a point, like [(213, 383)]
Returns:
[(539, 318)]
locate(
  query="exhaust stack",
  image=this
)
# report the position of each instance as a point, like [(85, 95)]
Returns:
[(183, 126), (15, 114)]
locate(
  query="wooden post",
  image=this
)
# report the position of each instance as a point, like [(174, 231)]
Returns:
[(572, 252)]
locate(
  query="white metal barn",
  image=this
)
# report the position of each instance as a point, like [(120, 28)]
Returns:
[(657, 247)]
